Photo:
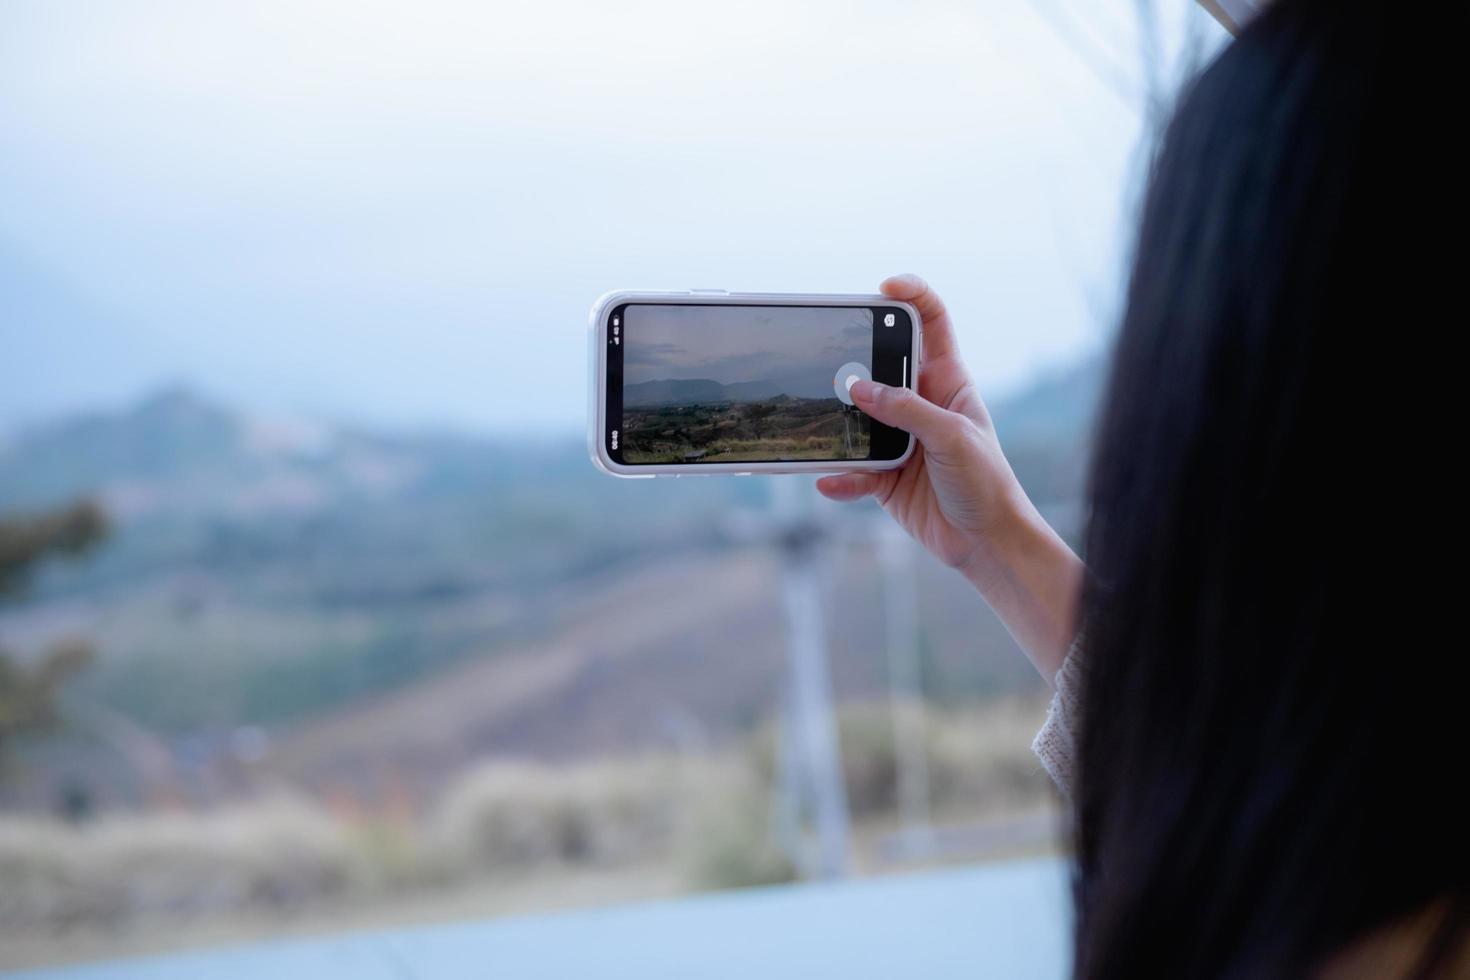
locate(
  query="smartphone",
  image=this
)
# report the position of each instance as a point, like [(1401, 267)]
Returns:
[(706, 381)]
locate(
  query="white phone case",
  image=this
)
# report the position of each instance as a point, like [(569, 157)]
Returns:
[(597, 387)]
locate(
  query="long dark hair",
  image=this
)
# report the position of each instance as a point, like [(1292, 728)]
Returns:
[(1271, 755)]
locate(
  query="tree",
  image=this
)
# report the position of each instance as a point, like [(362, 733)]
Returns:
[(29, 694), (758, 413)]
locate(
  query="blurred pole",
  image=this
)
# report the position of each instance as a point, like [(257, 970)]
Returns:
[(906, 693), (810, 753)]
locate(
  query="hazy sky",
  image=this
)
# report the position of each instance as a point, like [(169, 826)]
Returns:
[(732, 344), (401, 213)]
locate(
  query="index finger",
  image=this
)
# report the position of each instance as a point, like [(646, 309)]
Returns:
[(939, 337)]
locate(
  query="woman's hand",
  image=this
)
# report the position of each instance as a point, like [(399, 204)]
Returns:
[(957, 494)]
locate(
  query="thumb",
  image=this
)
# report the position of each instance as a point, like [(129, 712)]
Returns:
[(902, 408)]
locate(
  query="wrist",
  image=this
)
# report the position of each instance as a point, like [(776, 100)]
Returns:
[(1016, 531), (1032, 579)]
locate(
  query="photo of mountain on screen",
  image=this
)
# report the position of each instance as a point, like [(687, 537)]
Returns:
[(725, 384)]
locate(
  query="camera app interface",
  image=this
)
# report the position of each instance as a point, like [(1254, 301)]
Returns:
[(716, 384)]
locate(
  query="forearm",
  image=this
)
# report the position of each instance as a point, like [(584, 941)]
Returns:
[(1033, 581)]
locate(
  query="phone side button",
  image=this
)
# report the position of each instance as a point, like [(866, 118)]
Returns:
[(709, 292)]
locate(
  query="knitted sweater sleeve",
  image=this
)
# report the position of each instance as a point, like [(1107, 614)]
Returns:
[(1056, 744)]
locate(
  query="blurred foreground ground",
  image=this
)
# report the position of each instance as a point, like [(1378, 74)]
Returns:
[(505, 838)]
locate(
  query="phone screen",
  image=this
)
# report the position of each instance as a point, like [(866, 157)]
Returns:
[(710, 383)]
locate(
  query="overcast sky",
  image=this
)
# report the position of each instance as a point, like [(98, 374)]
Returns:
[(734, 344), (401, 213)]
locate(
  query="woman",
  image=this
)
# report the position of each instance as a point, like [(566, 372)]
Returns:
[(1254, 719)]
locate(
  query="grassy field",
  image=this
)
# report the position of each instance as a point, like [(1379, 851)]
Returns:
[(781, 428)]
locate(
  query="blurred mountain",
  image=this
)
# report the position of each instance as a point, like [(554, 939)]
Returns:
[(693, 391), (1057, 406), (178, 454), (675, 392), (170, 438), (1046, 429)]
